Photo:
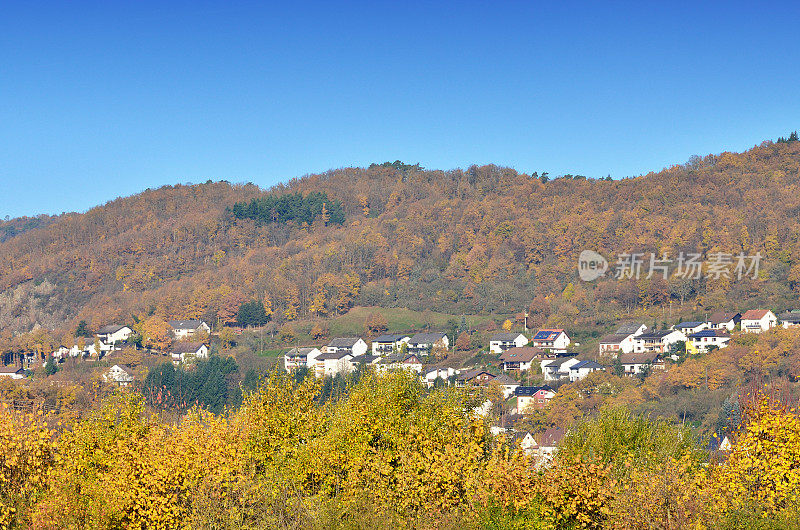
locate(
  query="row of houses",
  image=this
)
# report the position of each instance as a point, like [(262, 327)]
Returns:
[(111, 337)]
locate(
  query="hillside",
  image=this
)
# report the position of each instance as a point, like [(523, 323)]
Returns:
[(476, 241)]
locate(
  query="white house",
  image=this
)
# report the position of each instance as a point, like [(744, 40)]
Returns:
[(532, 398), (657, 341), (114, 333), (547, 445), (758, 320), (526, 442), (424, 343), (12, 372), (341, 361), (183, 329), (506, 383), (558, 369), (582, 369), (687, 328), (186, 351), (616, 343), (523, 358), (385, 344), (500, 342), (300, 357), (552, 340), (701, 341), (118, 375), (635, 363), (790, 319), (398, 361), (440, 373), (723, 320), (352, 345)]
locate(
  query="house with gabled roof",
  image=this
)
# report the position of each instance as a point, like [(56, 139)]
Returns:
[(758, 320), (477, 376), (183, 329), (703, 340), (389, 343), (114, 333), (300, 358), (533, 398), (500, 342), (724, 320), (615, 343), (182, 352), (12, 371), (400, 361), (507, 383), (552, 340), (790, 319), (558, 369), (657, 341), (582, 369), (355, 346), (523, 358), (687, 328), (425, 343), (636, 363), (118, 375)]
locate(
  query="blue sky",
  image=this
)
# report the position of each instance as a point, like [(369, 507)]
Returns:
[(105, 99)]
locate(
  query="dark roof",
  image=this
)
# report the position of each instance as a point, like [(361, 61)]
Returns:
[(343, 342), (185, 324), (400, 357), (660, 334), (689, 324), (466, 376), (11, 369), (614, 338), (790, 317), (505, 379), (186, 347), (111, 328), (328, 356), (505, 336), (586, 364), (721, 317), (530, 390), (558, 362), (427, 338), (547, 334), (521, 354), (364, 359), (629, 328), (390, 338), (551, 437), (709, 333), (638, 358)]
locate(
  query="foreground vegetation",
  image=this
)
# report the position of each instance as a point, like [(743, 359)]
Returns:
[(387, 453)]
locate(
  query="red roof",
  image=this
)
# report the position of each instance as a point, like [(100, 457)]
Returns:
[(755, 314)]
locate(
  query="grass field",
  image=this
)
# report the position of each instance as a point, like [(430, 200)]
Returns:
[(399, 319)]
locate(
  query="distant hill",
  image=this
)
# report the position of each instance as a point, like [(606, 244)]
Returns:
[(480, 240)]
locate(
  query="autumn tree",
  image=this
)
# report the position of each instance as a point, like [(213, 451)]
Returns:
[(376, 324)]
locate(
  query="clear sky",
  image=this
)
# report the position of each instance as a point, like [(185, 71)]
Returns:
[(104, 99)]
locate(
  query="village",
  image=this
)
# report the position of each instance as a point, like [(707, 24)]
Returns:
[(522, 375)]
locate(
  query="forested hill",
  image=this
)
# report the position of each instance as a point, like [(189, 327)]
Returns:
[(484, 239)]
